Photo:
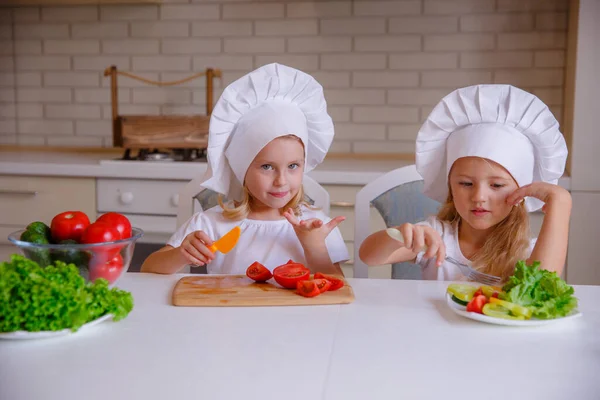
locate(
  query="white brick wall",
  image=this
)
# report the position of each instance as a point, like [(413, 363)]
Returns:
[(383, 64)]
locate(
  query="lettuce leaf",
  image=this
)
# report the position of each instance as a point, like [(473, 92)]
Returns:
[(55, 297), (543, 291)]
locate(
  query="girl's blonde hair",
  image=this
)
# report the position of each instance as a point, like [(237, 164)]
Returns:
[(242, 209), (506, 244)]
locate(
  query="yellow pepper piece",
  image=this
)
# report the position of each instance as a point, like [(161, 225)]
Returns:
[(497, 311), (515, 309)]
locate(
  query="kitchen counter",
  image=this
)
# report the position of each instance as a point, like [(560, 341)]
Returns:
[(397, 340), (340, 171)]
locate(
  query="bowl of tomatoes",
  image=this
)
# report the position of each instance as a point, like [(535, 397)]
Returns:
[(100, 249)]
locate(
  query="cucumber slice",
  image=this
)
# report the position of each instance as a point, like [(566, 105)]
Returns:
[(459, 301), (462, 292)]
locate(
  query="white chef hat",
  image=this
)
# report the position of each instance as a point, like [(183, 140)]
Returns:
[(499, 122), (269, 102)]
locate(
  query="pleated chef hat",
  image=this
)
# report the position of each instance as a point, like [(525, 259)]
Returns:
[(272, 101), (499, 122)]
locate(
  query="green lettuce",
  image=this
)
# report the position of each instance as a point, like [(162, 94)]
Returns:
[(544, 292), (55, 297)]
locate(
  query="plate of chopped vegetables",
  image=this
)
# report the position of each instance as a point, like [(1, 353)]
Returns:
[(531, 297), (43, 302)]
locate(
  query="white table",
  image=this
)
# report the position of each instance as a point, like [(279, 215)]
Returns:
[(398, 340)]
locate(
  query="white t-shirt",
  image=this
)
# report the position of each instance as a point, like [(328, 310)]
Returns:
[(447, 271), (271, 243)]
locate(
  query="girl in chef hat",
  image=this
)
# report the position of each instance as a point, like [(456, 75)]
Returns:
[(489, 154), (267, 130)]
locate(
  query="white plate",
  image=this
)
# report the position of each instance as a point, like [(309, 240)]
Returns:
[(462, 310), (25, 335)]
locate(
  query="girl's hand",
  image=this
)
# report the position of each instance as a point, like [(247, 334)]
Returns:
[(546, 192), (420, 238), (311, 231), (195, 248)]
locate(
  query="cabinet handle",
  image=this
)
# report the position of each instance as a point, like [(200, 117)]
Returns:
[(19, 192), (175, 200), (126, 197), (344, 204)]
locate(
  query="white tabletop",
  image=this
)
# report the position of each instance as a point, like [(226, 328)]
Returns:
[(398, 340)]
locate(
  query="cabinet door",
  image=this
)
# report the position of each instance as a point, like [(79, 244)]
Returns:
[(139, 196), (25, 199), (584, 231)]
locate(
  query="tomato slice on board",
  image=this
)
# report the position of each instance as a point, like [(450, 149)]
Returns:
[(477, 303), (322, 284), (290, 263), (288, 275), (258, 272), (307, 288), (335, 282)]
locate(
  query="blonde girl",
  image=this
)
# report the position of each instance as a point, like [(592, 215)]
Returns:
[(267, 130), (490, 154)]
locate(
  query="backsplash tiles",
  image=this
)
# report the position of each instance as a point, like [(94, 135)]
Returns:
[(384, 64)]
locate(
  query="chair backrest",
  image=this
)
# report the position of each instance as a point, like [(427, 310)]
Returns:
[(194, 198), (398, 197)]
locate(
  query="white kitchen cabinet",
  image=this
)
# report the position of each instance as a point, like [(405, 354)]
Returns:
[(582, 259), (25, 199), (139, 196)]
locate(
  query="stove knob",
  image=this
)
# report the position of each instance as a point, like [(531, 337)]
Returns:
[(175, 200), (126, 197)]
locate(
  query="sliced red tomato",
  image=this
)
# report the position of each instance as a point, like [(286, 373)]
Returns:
[(322, 284), (118, 221), (336, 283), (69, 225), (258, 272), (478, 292), (476, 304), (307, 288), (290, 263), (288, 275), (109, 270)]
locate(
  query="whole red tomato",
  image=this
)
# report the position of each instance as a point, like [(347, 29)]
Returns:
[(109, 270), (100, 232), (69, 225), (119, 221)]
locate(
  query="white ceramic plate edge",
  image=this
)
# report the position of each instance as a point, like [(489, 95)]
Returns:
[(25, 335), (462, 311)]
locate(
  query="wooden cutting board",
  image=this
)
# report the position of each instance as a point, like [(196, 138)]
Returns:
[(239, 291)]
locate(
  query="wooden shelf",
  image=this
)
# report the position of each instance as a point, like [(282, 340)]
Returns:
[(29, 3)]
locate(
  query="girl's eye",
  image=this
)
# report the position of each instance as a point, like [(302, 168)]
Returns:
[(465, 184), (498, 185), (293, 166), (267, 167)]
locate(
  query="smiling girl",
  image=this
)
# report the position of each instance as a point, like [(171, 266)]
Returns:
[(267, 130), (489, 154)]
